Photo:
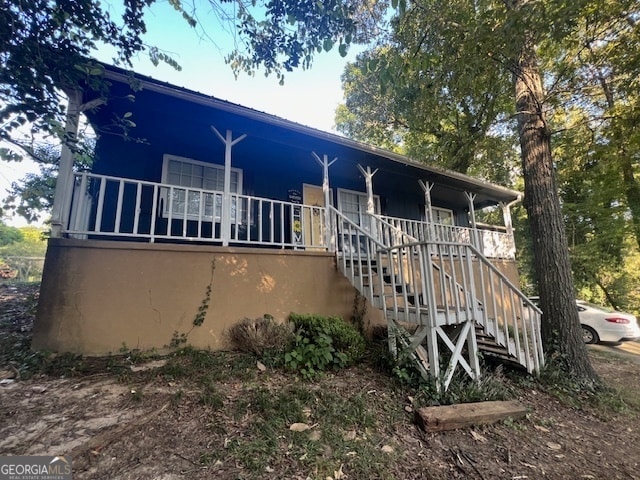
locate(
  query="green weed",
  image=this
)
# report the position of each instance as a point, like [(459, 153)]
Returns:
[(322, 343)]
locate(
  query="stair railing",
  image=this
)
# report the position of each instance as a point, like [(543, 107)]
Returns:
[(498, 305), (449, 288), (510, 315), (358, 252)]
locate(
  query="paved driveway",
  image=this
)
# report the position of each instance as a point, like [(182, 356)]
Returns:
[(628, 350)]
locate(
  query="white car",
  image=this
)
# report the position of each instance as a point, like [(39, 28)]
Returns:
[(601, 324)]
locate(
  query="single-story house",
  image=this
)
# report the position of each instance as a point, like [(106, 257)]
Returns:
[(201, 209)]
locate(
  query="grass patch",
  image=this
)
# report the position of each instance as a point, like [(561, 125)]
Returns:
[(199, 366), (344, 432)]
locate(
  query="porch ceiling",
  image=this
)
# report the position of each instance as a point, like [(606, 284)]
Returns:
[(160, 108)]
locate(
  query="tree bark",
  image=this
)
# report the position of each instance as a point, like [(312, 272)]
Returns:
[(561, 332)]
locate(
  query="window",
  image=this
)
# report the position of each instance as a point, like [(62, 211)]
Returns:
[(203, 188), (442, 216), (354, 206)]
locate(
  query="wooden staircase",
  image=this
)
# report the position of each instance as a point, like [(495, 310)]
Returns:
[(440, 299)]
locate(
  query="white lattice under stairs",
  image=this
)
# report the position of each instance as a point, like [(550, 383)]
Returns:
[(440, 298)]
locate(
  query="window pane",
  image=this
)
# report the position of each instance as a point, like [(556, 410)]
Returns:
[(194, 204), (442, 216), (174, 166), (210, 181), (196, 176), (218, 207), (208, 205), (178, 201), (351, 205), (173, 178)]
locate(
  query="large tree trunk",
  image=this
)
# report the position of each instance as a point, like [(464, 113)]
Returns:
[(561, 332)]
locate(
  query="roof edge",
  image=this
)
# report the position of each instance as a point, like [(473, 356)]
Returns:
[(121, 75)]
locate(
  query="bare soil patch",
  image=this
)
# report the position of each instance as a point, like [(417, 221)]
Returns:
[(232, 421)]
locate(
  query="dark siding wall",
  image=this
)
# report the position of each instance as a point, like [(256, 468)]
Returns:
[(273, 162)]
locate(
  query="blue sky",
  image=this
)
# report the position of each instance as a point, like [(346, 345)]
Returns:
[(308, 97)]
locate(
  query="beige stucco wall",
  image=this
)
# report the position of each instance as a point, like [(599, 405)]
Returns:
[(97, 296)]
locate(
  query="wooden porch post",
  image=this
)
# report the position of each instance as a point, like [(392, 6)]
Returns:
[(508, 223), (325, 164), (64, 182), (472, 220), (371, 209), (225, 218), (368, 176), (428, 212)]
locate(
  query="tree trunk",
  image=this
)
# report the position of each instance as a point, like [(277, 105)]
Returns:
[(561, 332)]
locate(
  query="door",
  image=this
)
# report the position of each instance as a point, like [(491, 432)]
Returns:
[(353, 205), (313, 218)]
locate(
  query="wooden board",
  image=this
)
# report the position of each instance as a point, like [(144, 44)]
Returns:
[(451, 417)]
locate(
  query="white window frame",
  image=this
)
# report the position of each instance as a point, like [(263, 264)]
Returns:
[(164, 193), (376, 201), (437, 213)]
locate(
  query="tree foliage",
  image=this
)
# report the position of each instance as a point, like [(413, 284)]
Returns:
[(574, 66), (430, 95), (46, 47), (32, 196), (23, 258), (286, 34), (9, 234)]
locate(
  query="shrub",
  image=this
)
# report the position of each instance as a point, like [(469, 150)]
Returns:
[(322, 343), (261, 335)]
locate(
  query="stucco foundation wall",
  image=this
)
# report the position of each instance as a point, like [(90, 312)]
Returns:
[(97, 296)]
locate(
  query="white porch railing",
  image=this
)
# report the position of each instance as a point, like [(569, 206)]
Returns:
[(492, 244), (109, 207), (105, 206)]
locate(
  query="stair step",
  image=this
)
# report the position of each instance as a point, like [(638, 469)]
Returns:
[(387, 279), (494, 348), (412, 299)]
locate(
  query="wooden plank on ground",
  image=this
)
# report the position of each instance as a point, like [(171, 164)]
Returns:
[(451, 417)]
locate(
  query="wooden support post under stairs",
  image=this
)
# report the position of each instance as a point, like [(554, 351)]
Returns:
[(428, 359)]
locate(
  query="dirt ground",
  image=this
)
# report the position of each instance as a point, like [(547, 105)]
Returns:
[(119, 423)]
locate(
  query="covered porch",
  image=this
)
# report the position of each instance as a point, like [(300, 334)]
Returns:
[(112, 208), (198, 169)]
